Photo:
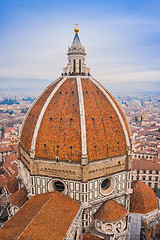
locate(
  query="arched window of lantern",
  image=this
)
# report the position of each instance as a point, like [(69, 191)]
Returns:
[(79, 66), (74, 65)]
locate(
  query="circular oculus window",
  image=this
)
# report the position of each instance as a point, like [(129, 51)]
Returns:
[(57, 185), (107, 186)]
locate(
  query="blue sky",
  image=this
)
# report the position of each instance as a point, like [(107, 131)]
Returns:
[(121, 37)]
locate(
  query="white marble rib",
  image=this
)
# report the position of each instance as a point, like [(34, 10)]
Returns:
[(42, 114), (116, 110), (82, 118)]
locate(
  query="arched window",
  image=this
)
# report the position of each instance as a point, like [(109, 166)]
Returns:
[(79, 66), (156, 186), (74, 65), (108, 227), (98, 225)]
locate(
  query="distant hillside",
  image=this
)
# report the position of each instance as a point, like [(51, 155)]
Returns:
[(20, 85), (134, 87), (17, 83)]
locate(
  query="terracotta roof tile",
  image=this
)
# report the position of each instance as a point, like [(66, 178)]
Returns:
[(102, 125), (111, 211), (145, 165), (61, 126), (19, 197), (47, 216), (6, 149), (143, 199), (105, 136), (3, 180), (12, 184)]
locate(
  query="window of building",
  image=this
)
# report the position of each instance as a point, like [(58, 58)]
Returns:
[(144, 178), (156, 178), (98, 224), (150, 178), (137, 177), (118, 226), (156, 186), (149, 184), (109, 227), (150, 171), (144, 171), (137, 171), (157, 172)]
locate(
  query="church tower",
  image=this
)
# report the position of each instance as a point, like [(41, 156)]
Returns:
[(76, 140)]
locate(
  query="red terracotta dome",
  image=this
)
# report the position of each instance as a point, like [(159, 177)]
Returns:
[(143, 199), (73, 117), (111, 211)]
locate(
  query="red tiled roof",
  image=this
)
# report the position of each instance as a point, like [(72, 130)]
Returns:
[(143, 199), (145, 165), (45, 216), (111, 211), (15, 148), (3, 180), (19, 197), (12, 184), (10, 158), (10, 165), (6, 149)]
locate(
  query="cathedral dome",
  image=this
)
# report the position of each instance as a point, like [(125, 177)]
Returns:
[(75, 122), (75, 117), (143, 199)]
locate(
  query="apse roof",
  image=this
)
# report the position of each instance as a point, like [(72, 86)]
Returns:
[(111, 211), (143, 199)]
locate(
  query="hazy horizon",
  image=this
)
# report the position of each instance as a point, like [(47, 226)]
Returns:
[(122, 38)]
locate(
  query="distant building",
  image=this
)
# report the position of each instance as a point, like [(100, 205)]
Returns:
[(147, 172)]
